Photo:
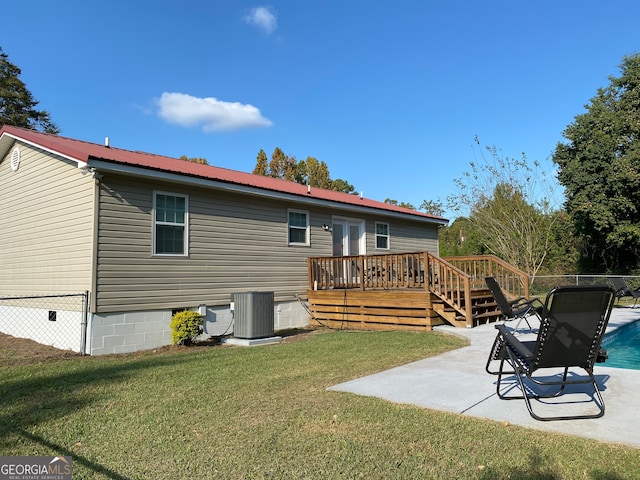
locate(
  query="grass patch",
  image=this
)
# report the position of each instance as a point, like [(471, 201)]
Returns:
[(264, 412)]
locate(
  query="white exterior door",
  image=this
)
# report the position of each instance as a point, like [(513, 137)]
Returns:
[(348, 239)]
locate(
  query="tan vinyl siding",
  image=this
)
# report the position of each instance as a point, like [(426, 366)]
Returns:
[(46, 232), (236, 243), (403, 236)]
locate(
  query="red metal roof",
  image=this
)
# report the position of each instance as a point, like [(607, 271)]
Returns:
[(84, 152)]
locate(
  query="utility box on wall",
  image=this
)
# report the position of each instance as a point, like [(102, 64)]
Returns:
[(253, 314)]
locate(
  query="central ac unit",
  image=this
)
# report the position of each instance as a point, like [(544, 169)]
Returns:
[(253, 314)]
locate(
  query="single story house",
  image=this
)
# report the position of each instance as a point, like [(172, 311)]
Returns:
[(147, 235)]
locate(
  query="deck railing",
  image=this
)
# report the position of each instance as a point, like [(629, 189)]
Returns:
[(513, 281), (450, 279), (403, 270)]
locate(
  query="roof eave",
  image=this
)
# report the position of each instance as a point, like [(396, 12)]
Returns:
[(7, 139), (180, 178)]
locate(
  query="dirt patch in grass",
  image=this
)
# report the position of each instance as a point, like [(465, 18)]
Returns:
[(21, 351)]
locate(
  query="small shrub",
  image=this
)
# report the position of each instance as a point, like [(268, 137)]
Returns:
[(185, 327)]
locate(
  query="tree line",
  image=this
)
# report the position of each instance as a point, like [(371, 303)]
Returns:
[(511, 212), (509, 207), (312, 172), (315, 173)]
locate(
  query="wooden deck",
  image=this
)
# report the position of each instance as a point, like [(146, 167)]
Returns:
[(413, 291)]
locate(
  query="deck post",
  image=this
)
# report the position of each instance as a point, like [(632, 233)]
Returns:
[(428, 274), (468, 311), (363, 273)]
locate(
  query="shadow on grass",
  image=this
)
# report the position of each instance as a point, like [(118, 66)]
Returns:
[(36, 399), (539, 468), (77, 459)]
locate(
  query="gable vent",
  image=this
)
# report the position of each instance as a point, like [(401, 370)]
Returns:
[(15, 159)]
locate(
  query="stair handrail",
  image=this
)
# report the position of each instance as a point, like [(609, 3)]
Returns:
[(512, 280), (450, 284), (451, 279)]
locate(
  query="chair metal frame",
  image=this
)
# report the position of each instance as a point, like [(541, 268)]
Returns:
[(518, 309), (622, 289), (569, 338)]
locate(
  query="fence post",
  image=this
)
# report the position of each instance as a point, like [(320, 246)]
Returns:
[(85, 322)]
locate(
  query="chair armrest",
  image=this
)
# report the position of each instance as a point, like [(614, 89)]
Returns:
[(521, 349), (516, 301), (536, 299), (525, 301)]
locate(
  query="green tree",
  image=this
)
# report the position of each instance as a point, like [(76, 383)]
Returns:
[(261, 164), (509, 202), (340, 185), (514, 229), (432, 207), (17, 105), (459, 239), (314, 173), (311, 171), (564, 252), (200, 160), (399, 204), (282, 165), (599, 166)]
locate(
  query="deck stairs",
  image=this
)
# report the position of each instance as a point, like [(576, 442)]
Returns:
[(483, 306), (391, 295)]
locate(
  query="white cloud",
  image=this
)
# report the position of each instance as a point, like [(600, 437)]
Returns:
[(263, 18), (210, 113)]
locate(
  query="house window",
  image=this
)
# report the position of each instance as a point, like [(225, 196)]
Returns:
[(382, 236), (298, 227), (170, 224)]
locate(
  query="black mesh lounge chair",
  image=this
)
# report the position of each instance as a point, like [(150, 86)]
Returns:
[(571, 330), (619, 284), (518, 309)]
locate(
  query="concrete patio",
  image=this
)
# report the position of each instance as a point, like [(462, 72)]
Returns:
[(457, 382)]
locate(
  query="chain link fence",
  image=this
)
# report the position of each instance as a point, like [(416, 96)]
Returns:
[(542, 284), (56, 320)]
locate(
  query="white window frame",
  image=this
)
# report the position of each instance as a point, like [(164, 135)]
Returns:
[(185, 224), (305, 228), (387, 236)]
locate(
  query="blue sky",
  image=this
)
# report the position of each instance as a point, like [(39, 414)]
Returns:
[(389, 94)]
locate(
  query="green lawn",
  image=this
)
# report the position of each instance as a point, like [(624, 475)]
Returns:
[(264, 412)]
